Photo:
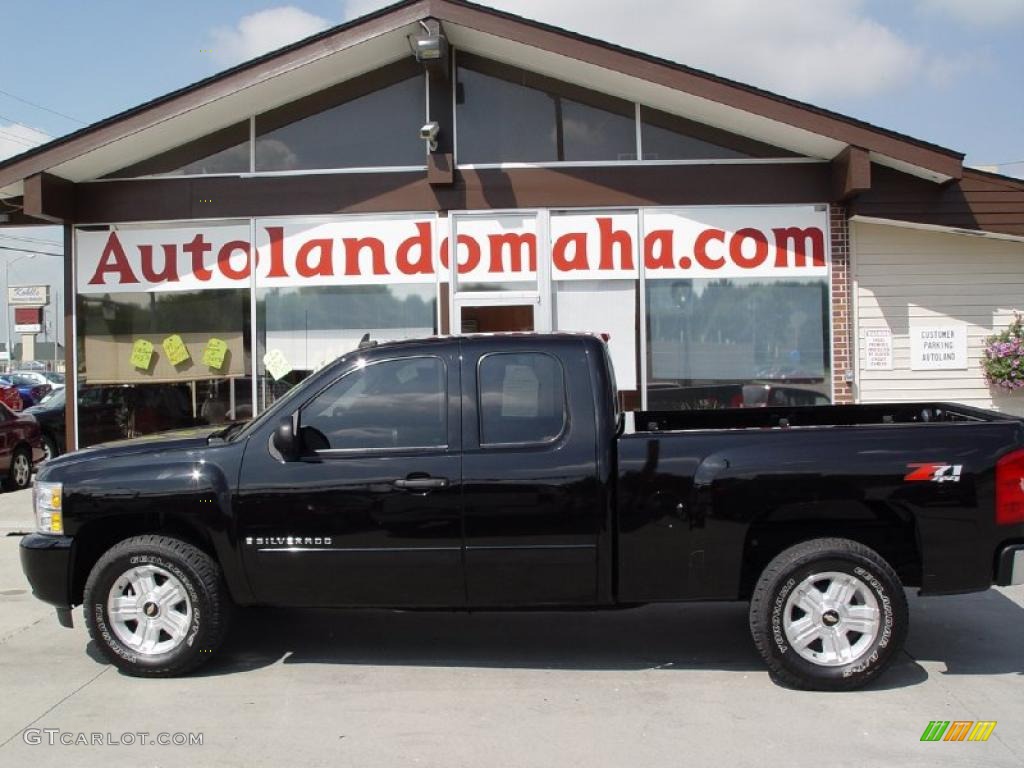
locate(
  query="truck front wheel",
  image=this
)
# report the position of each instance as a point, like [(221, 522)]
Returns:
[(156, 606), (828, 614)]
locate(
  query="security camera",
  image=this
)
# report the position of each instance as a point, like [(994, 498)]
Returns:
[(429, 134)]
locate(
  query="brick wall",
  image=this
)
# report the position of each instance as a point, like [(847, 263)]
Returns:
[(842, 308)]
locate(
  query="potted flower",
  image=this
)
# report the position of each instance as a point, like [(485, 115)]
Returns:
[(1004, 357)]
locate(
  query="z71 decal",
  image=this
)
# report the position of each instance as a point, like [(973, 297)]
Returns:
[(934, 473)]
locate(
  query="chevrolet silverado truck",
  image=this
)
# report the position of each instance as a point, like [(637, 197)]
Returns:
[(497, 472)]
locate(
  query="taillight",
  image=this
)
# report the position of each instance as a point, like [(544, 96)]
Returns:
[(1010, 489)]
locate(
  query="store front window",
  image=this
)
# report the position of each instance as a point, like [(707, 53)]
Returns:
[(671, 137), (506, 114), (163, 337), (736, 343), (328, 283), (702, 307), (224, 151), (128, 382), (303, 329), (371, 121)]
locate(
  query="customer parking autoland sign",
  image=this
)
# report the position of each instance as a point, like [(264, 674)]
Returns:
[(938, 347)]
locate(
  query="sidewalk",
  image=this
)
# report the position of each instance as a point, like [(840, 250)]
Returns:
[(16, 512)]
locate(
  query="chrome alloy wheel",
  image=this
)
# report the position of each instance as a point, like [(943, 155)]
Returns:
[(149, 609), (22, 470), (831, 618)]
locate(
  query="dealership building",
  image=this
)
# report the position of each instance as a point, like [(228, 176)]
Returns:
[(441, 167)]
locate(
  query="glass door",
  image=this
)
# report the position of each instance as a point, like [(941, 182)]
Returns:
[(497, 273)]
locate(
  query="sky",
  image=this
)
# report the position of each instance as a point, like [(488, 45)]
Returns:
[(947, 71)]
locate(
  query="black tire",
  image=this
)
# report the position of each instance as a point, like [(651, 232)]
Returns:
[(198, 574), (771, 608), (50, 447), (18, 479)]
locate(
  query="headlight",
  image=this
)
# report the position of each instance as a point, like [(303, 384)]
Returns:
[(46, 502)]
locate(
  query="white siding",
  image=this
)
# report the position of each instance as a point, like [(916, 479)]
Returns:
[(905, 277)]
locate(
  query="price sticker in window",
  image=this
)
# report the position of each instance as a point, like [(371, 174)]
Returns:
[(142, 354), (277, 364), (215, 353), (175, 349)]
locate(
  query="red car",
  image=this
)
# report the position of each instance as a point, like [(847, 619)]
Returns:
[(21, 448), (10, 397)]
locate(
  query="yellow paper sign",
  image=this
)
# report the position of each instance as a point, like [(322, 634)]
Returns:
[(215, 352), (142, 354), (175, 349), (277, 364)]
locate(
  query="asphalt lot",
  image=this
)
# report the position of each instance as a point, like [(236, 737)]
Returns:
[(656, 686)]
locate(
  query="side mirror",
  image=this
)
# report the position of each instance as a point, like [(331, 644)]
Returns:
[(286, 441)]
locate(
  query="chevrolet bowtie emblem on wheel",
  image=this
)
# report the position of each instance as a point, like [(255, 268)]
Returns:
[(934, 473)]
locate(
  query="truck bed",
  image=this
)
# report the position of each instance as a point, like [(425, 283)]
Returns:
[(813, 416), (702, 493)]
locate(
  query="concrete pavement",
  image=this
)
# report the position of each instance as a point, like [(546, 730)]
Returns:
[(656, 686)]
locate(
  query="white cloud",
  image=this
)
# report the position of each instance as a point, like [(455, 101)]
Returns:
[(263, 31), (808, 49), (984, 13), (16, 138)]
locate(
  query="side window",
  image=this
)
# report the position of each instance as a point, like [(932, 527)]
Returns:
[(522, 398), (391, 404)]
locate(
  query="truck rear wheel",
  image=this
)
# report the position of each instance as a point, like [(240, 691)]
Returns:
[(156, 606), (828, 615)]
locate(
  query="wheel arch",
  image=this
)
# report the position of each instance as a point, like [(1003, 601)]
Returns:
[(896, 541), (98, 536)]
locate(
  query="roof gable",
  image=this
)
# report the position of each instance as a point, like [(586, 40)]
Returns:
[(380, 38)]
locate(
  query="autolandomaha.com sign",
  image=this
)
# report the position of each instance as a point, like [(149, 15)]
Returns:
[(675, 243)]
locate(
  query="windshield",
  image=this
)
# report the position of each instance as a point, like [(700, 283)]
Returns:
[(56, 378), (54, 397)]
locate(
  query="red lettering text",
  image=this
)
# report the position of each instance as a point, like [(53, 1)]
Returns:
[(276, 235), (472, 254), (324, 266), (224, 260), (578, 261), (423, 241), (197, 249), (113, 259), (609, 239), (799, 239), (355, 245), (700, 248), (658, 249), (516, 243), (756, 236), (170, 271)]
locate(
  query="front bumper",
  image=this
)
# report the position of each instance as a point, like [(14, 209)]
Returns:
[(1010, 566), (46, 561)]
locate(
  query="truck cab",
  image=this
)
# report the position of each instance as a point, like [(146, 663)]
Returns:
[(442, 473)]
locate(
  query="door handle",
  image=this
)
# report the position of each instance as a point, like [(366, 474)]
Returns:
[(421, 483)]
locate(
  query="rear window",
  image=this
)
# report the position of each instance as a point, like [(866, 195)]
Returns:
[(522, 398)]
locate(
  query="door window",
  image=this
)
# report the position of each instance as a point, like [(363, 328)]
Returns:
[(386, 405), (522, 398)]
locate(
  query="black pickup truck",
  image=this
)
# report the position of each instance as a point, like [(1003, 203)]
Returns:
[(498, 472)]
